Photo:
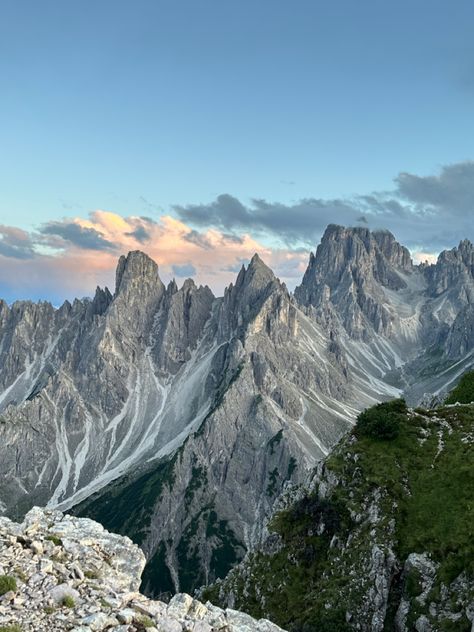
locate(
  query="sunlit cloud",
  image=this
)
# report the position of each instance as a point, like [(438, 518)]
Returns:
[(211, 242), (73, 256)]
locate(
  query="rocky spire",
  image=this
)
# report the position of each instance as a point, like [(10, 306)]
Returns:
[(136, 269), (350, 269), (138, 291)]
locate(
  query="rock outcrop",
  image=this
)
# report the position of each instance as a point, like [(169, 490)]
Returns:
[(60, 573)]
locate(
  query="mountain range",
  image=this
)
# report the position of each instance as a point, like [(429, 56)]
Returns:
[(177, 417)]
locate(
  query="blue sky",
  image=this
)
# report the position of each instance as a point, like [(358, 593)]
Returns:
[(147, 108)]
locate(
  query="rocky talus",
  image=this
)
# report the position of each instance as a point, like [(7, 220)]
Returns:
[(58, 572)]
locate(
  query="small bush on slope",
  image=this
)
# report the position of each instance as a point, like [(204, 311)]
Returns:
[(464, 391), (381, 421)]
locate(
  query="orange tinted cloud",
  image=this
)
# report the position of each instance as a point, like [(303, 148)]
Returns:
[(72, 270)]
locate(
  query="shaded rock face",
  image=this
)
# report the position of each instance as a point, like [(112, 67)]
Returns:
[(69, 573), (190, 413), (350, 269)]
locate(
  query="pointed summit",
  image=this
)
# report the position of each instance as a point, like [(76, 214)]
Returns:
[(135, 268), (350, 270), (138, 291)]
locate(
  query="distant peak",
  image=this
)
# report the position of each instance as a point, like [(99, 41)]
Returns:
[(135, 266), (257, 274), (256, 261), (466, 246)]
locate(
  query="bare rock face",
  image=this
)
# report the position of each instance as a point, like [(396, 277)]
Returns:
[(351, 268), (69, 573)]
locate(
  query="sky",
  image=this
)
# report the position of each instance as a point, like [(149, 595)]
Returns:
[(201, 131)]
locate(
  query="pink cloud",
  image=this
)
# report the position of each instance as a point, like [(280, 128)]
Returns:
[(74, 271)]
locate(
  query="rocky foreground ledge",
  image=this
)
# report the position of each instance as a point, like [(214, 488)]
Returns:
[(58, 572)]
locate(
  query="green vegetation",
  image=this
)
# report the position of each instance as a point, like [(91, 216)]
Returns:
[(402, 480), (464, 391), (292, 465), (55, 540), (10, 628), (49, 609), (381, 421), (227, 549), (143, 622), (274, 441), (7, 583), (68, 601), (224, 549), (273, 480), (190, 568), (198, 480), (156, 578), (126, 507)]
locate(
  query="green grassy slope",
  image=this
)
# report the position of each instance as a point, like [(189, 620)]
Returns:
[(401, 484)]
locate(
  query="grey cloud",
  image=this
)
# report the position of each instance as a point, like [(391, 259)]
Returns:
[(196, 238), (300, 222), (86, 238), (184, 270), (236, 239), (140, 234), (424, 212), (452, 191), (16, 243)]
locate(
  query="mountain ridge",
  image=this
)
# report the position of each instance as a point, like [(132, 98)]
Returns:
[(257, 380)]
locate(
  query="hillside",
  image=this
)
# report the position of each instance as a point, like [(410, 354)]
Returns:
[(384, 538)]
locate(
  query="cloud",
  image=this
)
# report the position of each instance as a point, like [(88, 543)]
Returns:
[(297, 223), (451, 192), (15, 243), (212, 241), (198, 239), (140, 234), (426, 213), (185, 270), (83, 237), (72, 257)]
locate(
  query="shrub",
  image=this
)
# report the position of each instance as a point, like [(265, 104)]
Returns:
[(413, 585), (7, 583), (464, 391), (68, 601), (381, 421), (144, 622), (10, 628)]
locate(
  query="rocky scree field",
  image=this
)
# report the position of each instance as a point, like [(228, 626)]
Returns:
[(61, 573)]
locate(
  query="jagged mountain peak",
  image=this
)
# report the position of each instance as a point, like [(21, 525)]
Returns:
[(257, 274), (359, 242), (101, 300), (353, 256), (136, 266)]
